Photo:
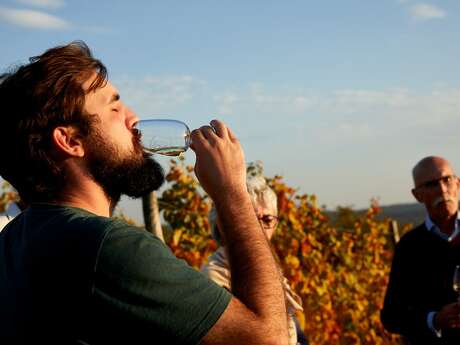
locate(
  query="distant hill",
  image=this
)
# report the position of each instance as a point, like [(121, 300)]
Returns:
[(404, 213), (413, 213)]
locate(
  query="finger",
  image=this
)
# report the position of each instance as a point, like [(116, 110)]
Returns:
[(219, 128), (208, 132), (231, 135), (197, 139)]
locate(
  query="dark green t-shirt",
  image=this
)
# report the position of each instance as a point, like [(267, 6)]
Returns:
[(68, 276)]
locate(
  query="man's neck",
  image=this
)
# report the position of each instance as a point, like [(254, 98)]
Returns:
[(445, 225), (83, 192), (94, 204)]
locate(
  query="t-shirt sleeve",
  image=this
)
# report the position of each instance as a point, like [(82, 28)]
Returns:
[(143, 293)]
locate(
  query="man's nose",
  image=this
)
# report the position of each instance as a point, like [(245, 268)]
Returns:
[(442, 186), (131, 118)]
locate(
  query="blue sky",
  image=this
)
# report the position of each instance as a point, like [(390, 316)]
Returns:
[(341, 98)]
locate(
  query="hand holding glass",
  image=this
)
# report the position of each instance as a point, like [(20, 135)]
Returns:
[(164, 137), (456, 281)]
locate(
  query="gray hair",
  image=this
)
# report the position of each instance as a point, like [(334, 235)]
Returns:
[(258, 190)]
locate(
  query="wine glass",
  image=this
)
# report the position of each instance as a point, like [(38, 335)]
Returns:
[(164, 136), (456, 281)]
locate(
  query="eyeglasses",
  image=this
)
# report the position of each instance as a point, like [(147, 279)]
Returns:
[(268, 221), (448, 180)]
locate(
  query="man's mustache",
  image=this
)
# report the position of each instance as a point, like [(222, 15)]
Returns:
[(441, 199), (137, 142)]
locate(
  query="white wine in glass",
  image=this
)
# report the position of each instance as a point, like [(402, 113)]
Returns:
[(456, 281), (164, 136)]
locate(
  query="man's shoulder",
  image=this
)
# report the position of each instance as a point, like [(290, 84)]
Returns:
[(417, 236), (419, 230), (415, 232), (66, 227), (70, 219)]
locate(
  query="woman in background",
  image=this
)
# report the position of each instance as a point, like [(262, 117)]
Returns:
[(265, 204)]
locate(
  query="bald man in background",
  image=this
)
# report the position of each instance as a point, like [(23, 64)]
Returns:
[(420, 302)]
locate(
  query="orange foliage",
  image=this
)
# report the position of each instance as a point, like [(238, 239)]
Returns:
[(7, 196), (341, 272), (185, 208)]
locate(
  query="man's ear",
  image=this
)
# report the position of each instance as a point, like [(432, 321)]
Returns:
[(417, 195), (67, 140)]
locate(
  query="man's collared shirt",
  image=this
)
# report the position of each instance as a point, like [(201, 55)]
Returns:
[(435, 229)]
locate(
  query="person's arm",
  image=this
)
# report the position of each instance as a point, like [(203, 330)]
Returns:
[(257, 312)]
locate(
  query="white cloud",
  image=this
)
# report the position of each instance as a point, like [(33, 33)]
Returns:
[(427, 11), (226, 103), (32, 19), (262, 101), (351, 101), (154, 95), (345, 132), (332, 118), (301, 103), (312, 138), (52, 4), (349, 114)]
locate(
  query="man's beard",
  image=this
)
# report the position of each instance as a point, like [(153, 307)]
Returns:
[(134, 175)]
